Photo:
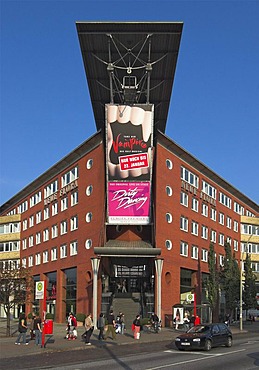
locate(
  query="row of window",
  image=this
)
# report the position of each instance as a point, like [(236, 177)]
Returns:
[(13, 246), (10, 228), (9, 264), (65, 250)]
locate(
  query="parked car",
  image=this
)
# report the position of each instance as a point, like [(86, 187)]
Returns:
[(205, 337)]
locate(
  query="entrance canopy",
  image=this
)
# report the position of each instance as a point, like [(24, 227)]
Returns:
[(119, 248), (130, 63)]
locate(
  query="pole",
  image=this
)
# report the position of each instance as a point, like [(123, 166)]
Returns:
[(194, 306), (44, 313)]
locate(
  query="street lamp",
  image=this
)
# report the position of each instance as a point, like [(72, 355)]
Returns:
[(241, 283)]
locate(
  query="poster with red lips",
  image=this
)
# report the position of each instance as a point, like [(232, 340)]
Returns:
[(129, 142)]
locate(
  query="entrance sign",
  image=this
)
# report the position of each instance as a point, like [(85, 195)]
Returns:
[(39, 293)]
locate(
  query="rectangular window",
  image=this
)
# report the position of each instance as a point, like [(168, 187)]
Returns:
[(184, 199), (236, 226), (204, 210), (221, 260), (54, 231), (73, 223), (30, 241), (37, 259), (45, 235), (184, 223), (239, 209), (69, 177), (73, 248), (209, 189), (46, 213), (195, 252), (22, 207), (54, 208), (195, 228), (204, 255), (38, 217), (213, 236), (54, 254), (51, 189), (31, 221), (38, 238), (74, 198), (235, 246), (221, 239), (24, 262), (184, 249), (229, 240), (63, 227), (221, 218), (30, 261), (188, 176), (225, 200), (195, 205), (229, 222), (63, 251), (45, 256), (204, 232), (213, 214), (64, 203), (25, 224), (24, 243), (35, 199)]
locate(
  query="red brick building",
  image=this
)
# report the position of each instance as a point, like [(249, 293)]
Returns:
[(70, 240)]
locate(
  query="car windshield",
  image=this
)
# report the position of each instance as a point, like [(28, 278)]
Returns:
[(199, 329)]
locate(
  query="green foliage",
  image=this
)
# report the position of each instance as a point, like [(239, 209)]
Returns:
[(213, 278), (249, 292), (50, 316), (80, 317)]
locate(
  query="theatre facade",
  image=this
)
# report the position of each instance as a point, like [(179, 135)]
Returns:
[(128, 214)]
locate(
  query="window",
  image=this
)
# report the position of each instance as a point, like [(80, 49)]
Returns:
[(236, 226), (9, 228), (25, 224), (22, 207), (188, 176), (64, 203), (73, 223), (30, 241), (88, 243), (213, 236), (73, 248), (45, 256), (221, 239), (51, 189), (69, 177), (249, 214), (74, 198), (63, 251), (204, 255), (195, 204), (169, 218), (31, 221), (221, 260), (54, 208), (204, 210), (63, 227), (45, 235), (204, 232), (24, 243), (54, 231), (225, 200), (184, 199), (168, 245), (184, 223), (35, 199), (239, 209), (221, 218), (209, 189), (184, 249), (37, 259), (169, 164), (229, 240), (89, 164), (169, 190), (46, 213), (235, 245), (195, 228), (54, 254), (38, 238), (213, 214), (229, 222), (24, 262), (89, 217), (38, 217), (195, 252), (89, 190), (30, 261)]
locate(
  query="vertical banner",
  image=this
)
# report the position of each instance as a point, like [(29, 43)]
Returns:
[(129, 143)]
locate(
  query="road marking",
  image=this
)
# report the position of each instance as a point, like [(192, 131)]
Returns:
[(194, 360)]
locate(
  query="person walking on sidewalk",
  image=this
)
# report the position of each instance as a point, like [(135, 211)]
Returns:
[(100, 326), (22, 328), (111, 326), (37, 330), (136, 325), (89, 327)]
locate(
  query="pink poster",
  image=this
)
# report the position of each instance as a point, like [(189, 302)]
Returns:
[(129, 203)]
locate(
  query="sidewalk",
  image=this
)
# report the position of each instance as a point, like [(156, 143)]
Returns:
[(57, 343)]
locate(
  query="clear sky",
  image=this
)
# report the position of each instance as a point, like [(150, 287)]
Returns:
[(45, 106)]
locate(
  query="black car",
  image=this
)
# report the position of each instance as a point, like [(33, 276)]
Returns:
[(205, 337)]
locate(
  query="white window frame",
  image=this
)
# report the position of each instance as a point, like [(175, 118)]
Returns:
[(63, 251), (73, 248), (195, 204), (213, 214), (204, 210), (204, 232), (184, 223), (195, 252), (54, 231), (45, 256), (204, 255), (74, 198), (213, 236), (63, 227), (184, 249), (54, 254), (74, 223), (195, 228)]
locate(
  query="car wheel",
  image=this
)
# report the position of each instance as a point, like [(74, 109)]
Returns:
[(207, 345), (229, 342)]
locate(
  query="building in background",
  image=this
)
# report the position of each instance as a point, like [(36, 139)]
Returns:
[(126, 219)]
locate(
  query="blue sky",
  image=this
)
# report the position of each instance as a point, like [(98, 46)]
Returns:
[(45, 107)]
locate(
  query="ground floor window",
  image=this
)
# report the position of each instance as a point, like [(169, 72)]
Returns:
[(70, 287)]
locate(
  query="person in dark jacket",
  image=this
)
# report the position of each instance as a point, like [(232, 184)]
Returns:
[(136, 324), (22, 328), (111, 326), (100, 326)]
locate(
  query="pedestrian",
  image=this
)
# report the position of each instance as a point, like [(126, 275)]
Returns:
[(192, 321), (111, 326), (89, 327), (120, 324), (124, 289), (37, 329), (22, 329), (71, 327), (32, 334), (136, 324), (186, 321), (100, 326)]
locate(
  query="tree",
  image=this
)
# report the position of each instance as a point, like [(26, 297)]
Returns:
[(16, 285), (230, 280), (213, 282), (249, 292)]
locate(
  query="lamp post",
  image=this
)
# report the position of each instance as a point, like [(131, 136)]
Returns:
[(241, 284)]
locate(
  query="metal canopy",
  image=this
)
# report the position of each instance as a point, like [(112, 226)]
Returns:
[(130, 63)]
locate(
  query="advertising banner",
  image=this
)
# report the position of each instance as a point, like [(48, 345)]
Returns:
[(129, 143)]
